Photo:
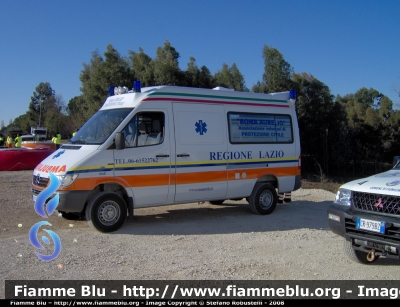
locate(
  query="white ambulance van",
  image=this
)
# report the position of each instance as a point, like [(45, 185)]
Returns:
[(165, 145)]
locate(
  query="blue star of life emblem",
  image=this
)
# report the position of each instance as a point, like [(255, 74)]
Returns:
[(59, 154), (201, 127)]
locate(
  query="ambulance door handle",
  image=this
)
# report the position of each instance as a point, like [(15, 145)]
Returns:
[(183, 155), (162, 156)]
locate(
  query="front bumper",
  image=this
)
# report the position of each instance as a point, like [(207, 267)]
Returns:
[(387, 242), (69, 201), (338, 227)]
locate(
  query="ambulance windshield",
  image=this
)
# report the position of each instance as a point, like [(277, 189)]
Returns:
[(99, 127)]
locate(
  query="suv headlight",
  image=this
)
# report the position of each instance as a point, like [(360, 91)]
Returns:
[(66, 180), (343, 197)]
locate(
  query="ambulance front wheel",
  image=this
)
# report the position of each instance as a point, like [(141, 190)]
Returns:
[(263, 199), (106, 212)]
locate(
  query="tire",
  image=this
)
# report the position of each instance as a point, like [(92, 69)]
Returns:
[(263, 199), (216, 202), (106, 212), (356, 255), (70, 216)]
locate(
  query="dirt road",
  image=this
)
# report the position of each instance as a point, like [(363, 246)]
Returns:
[(183, 242)]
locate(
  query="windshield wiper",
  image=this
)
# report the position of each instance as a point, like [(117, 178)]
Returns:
[(78, 142)]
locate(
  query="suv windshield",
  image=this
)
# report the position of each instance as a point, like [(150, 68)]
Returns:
[(99, 127)]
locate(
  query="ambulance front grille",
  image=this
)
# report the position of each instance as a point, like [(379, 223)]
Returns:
[(36, 191), (376, 203), (40, 181)]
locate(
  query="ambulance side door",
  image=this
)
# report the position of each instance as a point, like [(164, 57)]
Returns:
[(200, 143), (145, 162)]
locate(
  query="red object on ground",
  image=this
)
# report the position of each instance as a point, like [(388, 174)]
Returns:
[(39, 145), (19, 159)]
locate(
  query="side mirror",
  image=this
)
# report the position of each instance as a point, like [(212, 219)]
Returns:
[(119, 140)]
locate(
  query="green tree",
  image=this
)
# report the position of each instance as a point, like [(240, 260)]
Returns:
[(192, 73), (56, 118), (78, 111), (116, 70), (392, 135), (375, 125), (223, 77), (166, 66), (41, 100), (322, 122), (101, 73), (92, 89), (142, 69), (197, 77), (238, 79), (230, 77), (206, 79), (24, 123), (277, 75)]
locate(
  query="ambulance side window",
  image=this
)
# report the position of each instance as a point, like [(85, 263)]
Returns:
[(258, 128), (145, 129), (130, 133)]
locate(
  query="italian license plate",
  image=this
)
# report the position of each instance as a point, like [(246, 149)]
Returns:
[(370, 225), (34, 197)]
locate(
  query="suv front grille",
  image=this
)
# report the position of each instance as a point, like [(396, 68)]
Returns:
[(376, 203)]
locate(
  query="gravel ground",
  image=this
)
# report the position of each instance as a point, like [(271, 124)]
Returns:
[(183, 242)]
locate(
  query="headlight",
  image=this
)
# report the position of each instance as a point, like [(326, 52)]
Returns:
[(343, 197), (66, 180)]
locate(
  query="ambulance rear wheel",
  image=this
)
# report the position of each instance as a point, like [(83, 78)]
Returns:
[(263, 199), (106, 212)]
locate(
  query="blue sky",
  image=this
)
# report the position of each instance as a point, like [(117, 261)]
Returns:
[(346, 44)]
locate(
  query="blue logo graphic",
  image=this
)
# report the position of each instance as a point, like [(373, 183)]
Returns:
[(201, 127), (393, 183), (59, 154), (35, 242), (40, 209)]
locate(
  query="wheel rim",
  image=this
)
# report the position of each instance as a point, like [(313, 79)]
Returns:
[(109, 213), (265, 200)]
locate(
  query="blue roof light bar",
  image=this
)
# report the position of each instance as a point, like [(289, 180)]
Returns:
[(136, 86), (292, 94), (111, 90)]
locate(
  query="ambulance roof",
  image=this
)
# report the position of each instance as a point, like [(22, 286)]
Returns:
[(178, 93)]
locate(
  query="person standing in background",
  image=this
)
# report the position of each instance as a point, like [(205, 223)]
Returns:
[(18, 141), (75, 132), (9, 141), (58, 135), (56, 140)]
